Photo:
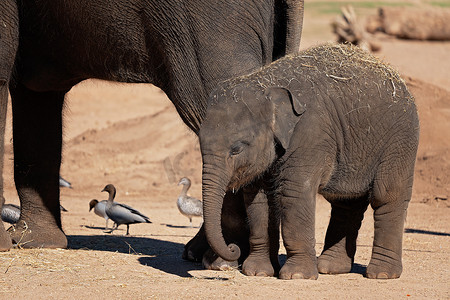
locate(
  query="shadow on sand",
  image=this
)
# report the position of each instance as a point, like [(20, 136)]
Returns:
[(356, 268), (411, 230), (158, 254), (96, 227), (178, 226)]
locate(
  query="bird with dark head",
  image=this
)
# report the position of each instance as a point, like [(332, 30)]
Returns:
[(10, 213), (121, 213)]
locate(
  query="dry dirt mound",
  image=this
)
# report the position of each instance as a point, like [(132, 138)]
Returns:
[(141, 153), (432, 171)]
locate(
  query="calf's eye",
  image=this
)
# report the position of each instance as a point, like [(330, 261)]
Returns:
[(238, 147)]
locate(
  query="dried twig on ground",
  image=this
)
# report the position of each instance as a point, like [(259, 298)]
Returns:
[(350, 30)]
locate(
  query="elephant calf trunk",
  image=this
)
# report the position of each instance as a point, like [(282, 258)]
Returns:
[(214, 185)]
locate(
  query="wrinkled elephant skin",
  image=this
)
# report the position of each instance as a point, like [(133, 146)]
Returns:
[(185, 48), (332, 120), (9, 39)]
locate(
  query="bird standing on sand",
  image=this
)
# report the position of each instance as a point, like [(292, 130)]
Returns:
[(10, 213), (64, 183), (99, 209), (188, 206), (121, 213)]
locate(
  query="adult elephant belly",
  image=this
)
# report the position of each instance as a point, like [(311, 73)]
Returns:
[(48, 64), (54, 74)]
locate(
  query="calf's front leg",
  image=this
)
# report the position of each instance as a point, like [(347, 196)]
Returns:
[(297, 229), (264, 235)]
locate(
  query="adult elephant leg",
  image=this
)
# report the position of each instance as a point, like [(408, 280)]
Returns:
[(340, 241), (5, 239), (390, 201), (9, 39), (258, 263), (37, 136), (196, 247)]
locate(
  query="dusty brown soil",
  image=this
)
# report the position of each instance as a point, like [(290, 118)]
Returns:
[(131, 136)]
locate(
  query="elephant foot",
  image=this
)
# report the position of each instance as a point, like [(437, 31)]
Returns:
[(258, 266), (27, 235), (383, 268), (303, 268), (195, 249), (211, 261), (5, 239), (334, 262), (329, 265)]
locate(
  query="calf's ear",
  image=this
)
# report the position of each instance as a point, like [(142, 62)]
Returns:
[(287, 109)]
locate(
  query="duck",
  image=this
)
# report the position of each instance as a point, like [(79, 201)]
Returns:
[(64, 183), (187, 205), (10, 213), (121, 213), (99, 209)]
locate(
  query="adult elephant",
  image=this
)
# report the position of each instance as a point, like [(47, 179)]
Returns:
[(183, 47), (9, 37)]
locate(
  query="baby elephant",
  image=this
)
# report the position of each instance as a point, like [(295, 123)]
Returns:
[(332, 120)]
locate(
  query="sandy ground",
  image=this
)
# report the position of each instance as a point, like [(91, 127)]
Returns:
[(131, 136)]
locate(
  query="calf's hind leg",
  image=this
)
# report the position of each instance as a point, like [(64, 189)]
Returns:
[(390, 201), (340, 241), (37, 136)]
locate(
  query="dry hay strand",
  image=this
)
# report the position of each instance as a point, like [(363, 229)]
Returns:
[(342, 63), (345, 59), (346, 62), (321, 70), (41, 260)]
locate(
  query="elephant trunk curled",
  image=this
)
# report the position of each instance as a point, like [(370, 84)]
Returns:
[(214, 183)]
